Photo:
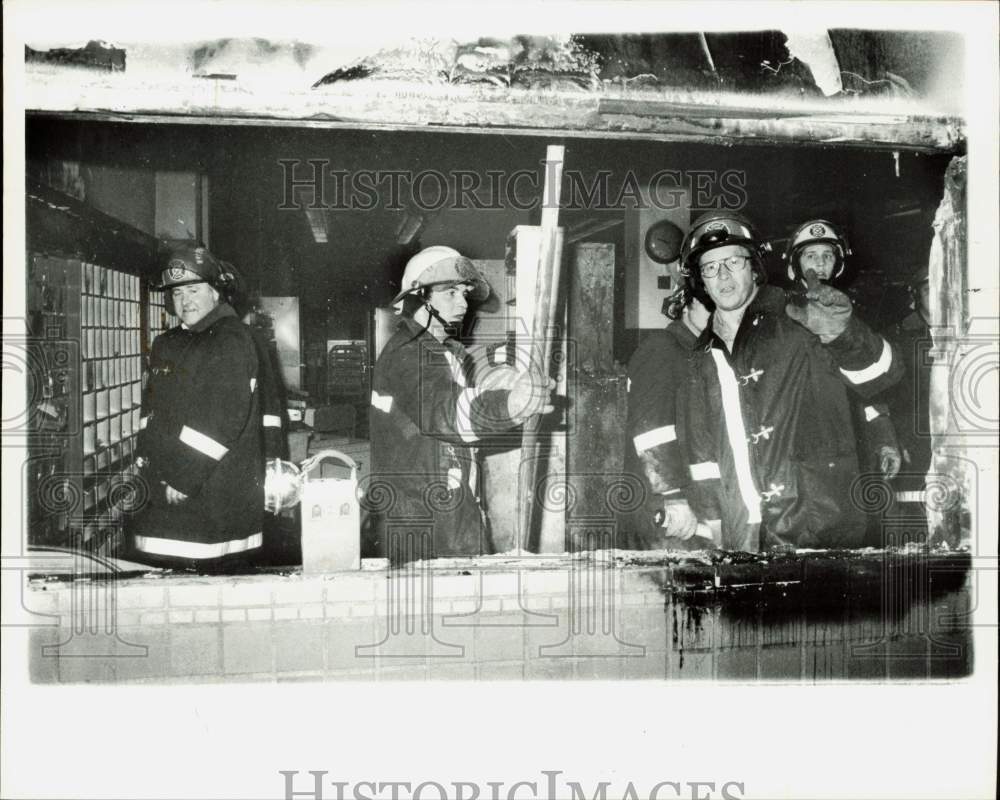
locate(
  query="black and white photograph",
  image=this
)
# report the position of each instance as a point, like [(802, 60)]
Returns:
[(543, 400)]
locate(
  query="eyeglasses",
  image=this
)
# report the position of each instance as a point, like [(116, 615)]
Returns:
[(733, 264)]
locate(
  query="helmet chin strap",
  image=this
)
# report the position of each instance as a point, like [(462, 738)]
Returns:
[(452, 330)]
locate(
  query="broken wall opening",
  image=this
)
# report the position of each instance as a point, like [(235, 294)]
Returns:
[(887, 200)]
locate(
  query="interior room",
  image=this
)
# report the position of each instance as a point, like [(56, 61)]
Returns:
[(316, 265)]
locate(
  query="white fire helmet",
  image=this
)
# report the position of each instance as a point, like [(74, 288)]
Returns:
[(815, 231), (437, 265)]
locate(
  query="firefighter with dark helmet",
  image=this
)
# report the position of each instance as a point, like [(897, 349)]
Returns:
[(430, 413), (200, 426), (776, 370), (821, 246)]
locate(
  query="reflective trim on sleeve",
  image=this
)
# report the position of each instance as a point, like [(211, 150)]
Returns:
[(202, 443), (870, 373), (182, 549), (143, 422), (736, 432), (253, 385), (871, 413), (650, 439), (463, 415), (383, 402), (272, 421), (706, 471)]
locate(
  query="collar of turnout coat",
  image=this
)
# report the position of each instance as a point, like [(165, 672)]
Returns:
[(213, 316), (682, 333), (769, 300), (423, 333)]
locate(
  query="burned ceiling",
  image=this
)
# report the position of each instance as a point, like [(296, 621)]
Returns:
[(834, 63), (898, 90)]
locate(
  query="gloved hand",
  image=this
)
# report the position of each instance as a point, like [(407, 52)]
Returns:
[(889, 461), (530, 394), (823, 310), (677, 519)]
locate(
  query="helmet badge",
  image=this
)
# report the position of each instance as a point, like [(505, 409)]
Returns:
[(817, 230), (176, 270), (718, 225)]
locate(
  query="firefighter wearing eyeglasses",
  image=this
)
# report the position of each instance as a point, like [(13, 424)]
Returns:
[(821, 246), (764, 419)]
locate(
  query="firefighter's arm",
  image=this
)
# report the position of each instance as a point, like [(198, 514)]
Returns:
[(866, 361), (273, 414), (420, 390), (218, 411), (652, 433)]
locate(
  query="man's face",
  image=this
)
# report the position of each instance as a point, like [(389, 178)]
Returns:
[(451, 302), (818, 257), (733, 286), (194, 301)]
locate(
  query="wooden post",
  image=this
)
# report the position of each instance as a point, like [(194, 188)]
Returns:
[(542, 334)]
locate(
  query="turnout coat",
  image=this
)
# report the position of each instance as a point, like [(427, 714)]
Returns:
[(201, 433), (427, 419), (767, 429)]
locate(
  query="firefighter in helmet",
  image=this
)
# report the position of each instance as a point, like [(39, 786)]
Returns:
[(821, 246), (429, 416), (818, 245), (776, 370), (200, 438)]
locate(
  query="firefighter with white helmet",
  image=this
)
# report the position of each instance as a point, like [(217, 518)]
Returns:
[(429, 416), (775, 370), (821, 246), (818, 245), (437, 265)]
